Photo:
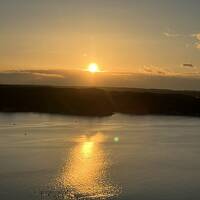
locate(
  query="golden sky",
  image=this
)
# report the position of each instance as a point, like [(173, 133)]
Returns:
[(117, 35)]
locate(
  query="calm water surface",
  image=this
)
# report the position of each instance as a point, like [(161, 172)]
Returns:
[(117, 157)]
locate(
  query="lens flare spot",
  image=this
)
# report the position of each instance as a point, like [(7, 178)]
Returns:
[(116, 139)]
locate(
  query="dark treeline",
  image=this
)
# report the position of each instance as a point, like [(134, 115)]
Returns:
[(97, 101)]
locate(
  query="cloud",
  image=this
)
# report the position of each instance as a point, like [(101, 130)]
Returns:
[(188, 65), (167, 34), (198, 45), (155, 71), (147, 77), (48, 75), (197, 37), (175, 35)]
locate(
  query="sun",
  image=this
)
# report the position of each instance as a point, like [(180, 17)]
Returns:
[(93, 68)]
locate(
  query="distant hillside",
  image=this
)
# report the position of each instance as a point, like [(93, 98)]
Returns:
[(97, 101)]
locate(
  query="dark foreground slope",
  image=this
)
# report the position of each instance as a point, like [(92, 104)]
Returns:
[(97, 101)]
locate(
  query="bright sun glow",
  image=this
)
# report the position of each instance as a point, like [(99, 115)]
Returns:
[(93, 68)]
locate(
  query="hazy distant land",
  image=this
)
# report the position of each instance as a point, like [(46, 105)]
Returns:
[(98, 101)]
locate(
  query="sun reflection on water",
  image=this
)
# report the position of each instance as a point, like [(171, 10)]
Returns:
[(87, 149), (85, 174)]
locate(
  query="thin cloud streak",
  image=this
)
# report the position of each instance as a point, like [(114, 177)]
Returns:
[(147, 77)]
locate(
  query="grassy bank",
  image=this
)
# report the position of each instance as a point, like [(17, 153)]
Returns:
[(97, 101)]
